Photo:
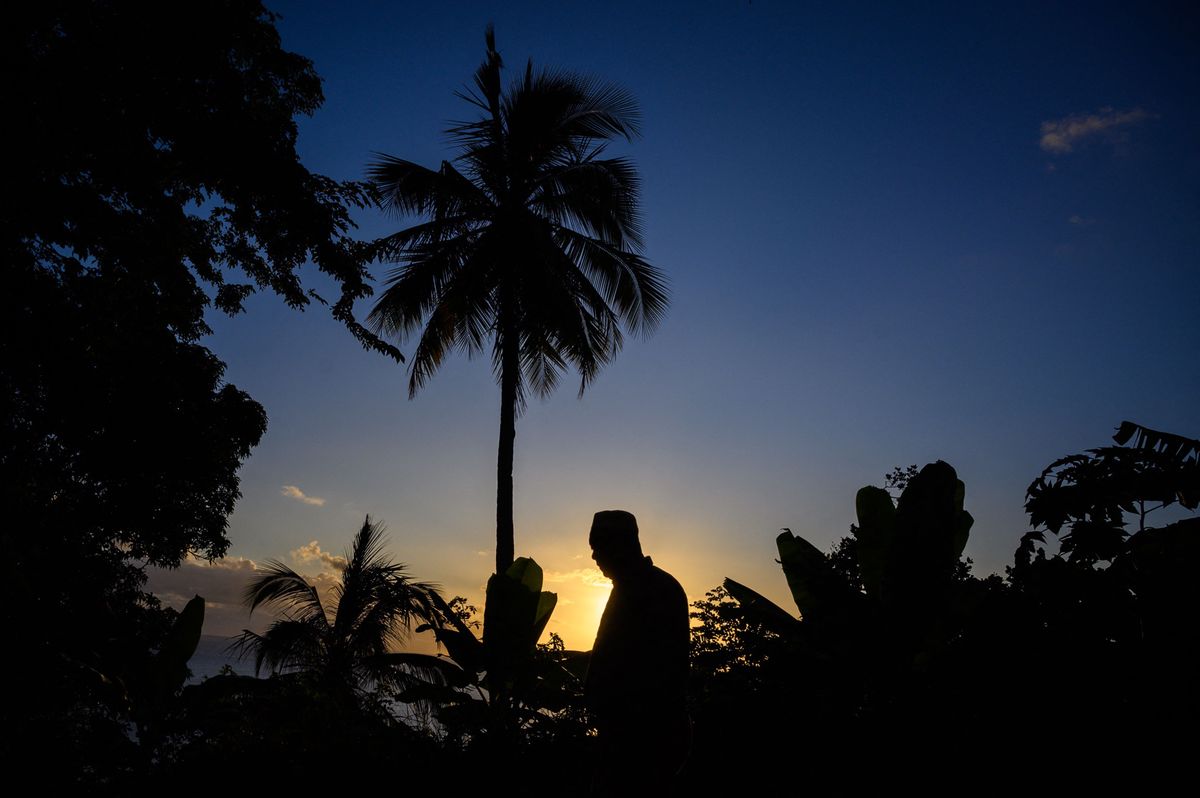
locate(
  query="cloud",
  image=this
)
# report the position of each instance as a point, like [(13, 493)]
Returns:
[(592, 577), (292, 492), (1061, 135), (222, 583), (311, 552), (1081, 221)]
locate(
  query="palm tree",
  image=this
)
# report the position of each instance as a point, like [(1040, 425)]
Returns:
[(529, 243), (342, 647)]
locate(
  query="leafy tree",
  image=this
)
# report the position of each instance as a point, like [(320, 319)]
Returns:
[(157, 178), (1114, 607), (341, 648), (529, 245), (1092, 493), (731, 651)]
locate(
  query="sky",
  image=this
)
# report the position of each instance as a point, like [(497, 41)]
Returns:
[(892, 235)]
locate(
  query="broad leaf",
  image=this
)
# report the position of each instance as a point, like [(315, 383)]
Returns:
[(876, 528), (810, 576), (766, 611)]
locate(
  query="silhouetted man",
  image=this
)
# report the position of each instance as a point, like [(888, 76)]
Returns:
[(637, 680)]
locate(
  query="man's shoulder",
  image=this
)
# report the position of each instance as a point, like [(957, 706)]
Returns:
[(665, 583)]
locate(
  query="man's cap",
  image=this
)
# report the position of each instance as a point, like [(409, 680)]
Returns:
[(614, 528)]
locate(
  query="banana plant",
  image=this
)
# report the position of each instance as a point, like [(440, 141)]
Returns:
[(490, 683), (907, 553), (150, 690)]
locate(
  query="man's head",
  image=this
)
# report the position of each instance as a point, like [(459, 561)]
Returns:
[(614, 541)]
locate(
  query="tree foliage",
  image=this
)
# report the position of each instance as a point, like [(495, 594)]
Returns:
[(1092, 493), (161, 149), (153, 177), (1114, 608)]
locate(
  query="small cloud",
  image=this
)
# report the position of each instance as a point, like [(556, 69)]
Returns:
[(482, 553), (292, 492), (592, 577), (1060, 136), (311, 552), (1081, 221)]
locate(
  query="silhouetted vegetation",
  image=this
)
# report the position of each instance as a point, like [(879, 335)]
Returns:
[(1114, 607), (155, 177), (897, 648), (342, 648), (492, 693)]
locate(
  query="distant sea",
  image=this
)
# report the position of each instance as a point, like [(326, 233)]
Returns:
[(212, 654)]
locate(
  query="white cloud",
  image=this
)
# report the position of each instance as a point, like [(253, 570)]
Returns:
[(311, 552), (1061, 135), (1081, 221), (592, 577), (292, 492)]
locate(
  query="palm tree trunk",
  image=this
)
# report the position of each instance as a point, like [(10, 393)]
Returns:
[(509, 374)]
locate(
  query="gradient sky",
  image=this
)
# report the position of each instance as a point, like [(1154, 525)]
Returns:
[(892, 236)]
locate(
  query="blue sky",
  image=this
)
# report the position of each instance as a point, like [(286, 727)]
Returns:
[(892, 236)]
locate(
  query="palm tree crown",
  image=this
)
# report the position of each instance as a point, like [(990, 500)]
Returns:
[(530, 244), (343, 646)]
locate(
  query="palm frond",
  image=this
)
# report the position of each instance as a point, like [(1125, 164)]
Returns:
[(1176, 447), (464, 314), (384, 621), (597, 197), (426, 668), (278, 586), (541, 362), (367, 550), (405, 187), (286, 645), (556, 110), (414, 290), (604, 111), (637, 290), (437, 232)]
